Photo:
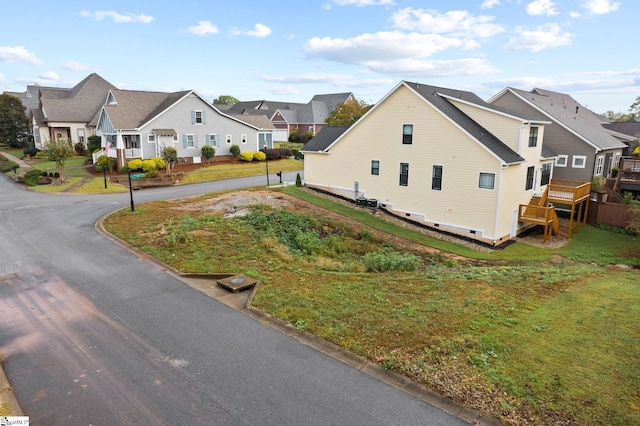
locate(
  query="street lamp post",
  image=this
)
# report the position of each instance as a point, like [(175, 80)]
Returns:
[(130, 190), (266, 160)]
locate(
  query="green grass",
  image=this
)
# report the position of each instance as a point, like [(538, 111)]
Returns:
[(536, 335), (56, 188), (96, 186), (74, 166), (240, 169)]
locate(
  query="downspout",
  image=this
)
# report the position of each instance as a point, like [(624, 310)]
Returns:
[(498, 203)]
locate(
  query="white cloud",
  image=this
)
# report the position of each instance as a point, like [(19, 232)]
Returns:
[(49, 75), (117, 17), (203, 28), (18, 54), (437, 68), (363, 3), (74, 66), (3, 79), (282, 91), (540, 38), (455, 22), (338, 80), (259, 31), (488, 4), (542, 7), (600, 7), (382, 46)]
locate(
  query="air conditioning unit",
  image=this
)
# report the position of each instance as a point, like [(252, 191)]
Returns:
[(372, 203), (361, 201)]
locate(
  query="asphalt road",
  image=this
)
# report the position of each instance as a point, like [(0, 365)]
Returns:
[(93, 335)]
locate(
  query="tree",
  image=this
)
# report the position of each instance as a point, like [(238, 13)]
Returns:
[(169, 155), (225, 100), (634, 109), (94, 143), (347, 113), (14, 125), (59, 151)]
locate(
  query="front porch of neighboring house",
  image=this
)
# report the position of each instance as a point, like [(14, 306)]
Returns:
[(128, 149), (541, 210)]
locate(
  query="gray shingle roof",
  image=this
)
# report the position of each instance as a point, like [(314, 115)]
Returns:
[(135, 108), (324, 138), (569, 113), (432, 94), (79, 104)]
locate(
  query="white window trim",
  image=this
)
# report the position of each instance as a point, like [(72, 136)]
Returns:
[(243, 138), (616, 160), (578, 157), (563, 157), (199, 111), (193, 140), (151, 138), (599, 165), (229, 139), (494, 181)]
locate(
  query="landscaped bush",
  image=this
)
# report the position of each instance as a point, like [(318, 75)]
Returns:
[(259, 156), (273, 154), (93, 143), (246, 156), (297, 154), (105, 162), (30, 151), (208, 152), (160, 163), (32, 177), (78, 148), (235, 150), (149, 165), (294, 135), (134, 165)]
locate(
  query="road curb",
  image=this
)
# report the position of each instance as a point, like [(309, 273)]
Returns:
[(7, 396)]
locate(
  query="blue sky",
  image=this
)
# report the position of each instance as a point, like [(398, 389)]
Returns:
[(289, 50)]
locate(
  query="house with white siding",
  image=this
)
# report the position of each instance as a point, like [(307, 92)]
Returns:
[(139, 124), (439, 157)]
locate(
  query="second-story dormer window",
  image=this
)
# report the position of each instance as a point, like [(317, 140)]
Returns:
[(533, 137)]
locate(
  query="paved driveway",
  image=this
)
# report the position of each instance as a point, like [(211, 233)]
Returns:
[(92, 334)]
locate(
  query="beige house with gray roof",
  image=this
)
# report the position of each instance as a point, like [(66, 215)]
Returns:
[(139, 124)]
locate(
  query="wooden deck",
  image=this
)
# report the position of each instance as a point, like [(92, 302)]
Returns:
[(541, 209)]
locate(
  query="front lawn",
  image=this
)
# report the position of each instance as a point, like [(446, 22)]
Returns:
[(240, 169), (526, 334)]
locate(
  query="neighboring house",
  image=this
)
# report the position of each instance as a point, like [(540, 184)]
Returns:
[(585, 149), (287, 116), (631, 128), (65, 113), (139, 124), (439, 157)]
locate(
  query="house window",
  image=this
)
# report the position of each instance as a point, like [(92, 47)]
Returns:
[(151, 138), (375, 167), (579, 162), (228, 139), (265, 139), (487, 180), (561, 161), (533, 137), (131, 141), (616, 160), (212, 139), (198, 117), (436, 178), (190, 141), (546, 174), (407, 134), (404, 174), (81, 135), (243, 138), (599, 165), (531, 171)]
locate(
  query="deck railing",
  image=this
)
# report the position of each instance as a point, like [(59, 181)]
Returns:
[(630, 165), (569, 190), (535, 214), (133, 153)]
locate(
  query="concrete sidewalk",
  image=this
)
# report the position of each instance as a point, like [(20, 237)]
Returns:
[(23, 165)]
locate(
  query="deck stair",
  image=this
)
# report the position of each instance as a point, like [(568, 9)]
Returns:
[(538, 212)]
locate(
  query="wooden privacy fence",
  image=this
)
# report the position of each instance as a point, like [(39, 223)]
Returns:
[(610, 214)]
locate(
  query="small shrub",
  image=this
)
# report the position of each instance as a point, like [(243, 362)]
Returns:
[(633, 227), (134, 165), (208, 152), (148, 166), (297, 154), (30, 151), (235, 151), (32, 177), (94, 143), (151, 173), (56, 175), (78, 147), (40, 155), (628, 198), (273, 154), (298, 180), (124, 169), (259, 156), (246, 156), (160, 163), (294, 135), (105, 162)]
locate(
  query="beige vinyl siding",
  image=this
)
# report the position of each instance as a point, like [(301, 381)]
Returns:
[(436, 140)]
